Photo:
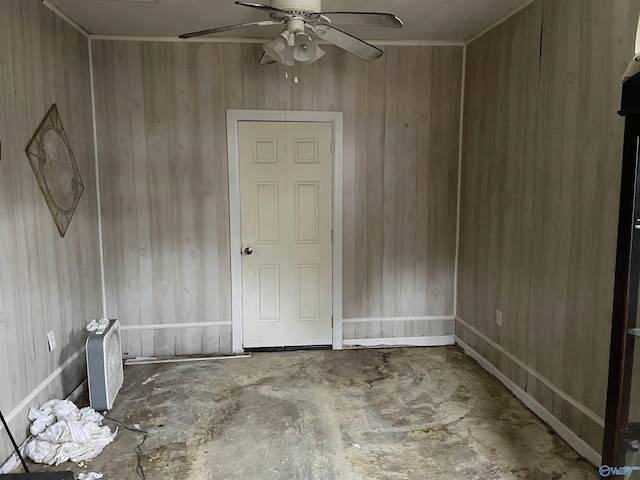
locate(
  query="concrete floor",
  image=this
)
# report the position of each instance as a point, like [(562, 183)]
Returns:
[(413, 413)]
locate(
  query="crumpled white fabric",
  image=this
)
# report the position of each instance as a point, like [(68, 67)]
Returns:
[(90, 476), (63, 432)]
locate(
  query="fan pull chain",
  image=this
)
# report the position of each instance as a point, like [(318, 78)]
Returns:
[(295, 77), (288, 52)]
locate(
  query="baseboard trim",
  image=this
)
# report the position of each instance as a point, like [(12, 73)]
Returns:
[(534, 373), (171, 326), (399, 319), (154, 360), (13, 461), (36, 391), (434, 341), (560, 428)]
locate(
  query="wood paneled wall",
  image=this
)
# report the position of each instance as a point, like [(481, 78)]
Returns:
[(46, 282), (540, 183), (163, 167)]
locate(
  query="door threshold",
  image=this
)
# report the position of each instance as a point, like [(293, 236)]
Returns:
[(292, 348)]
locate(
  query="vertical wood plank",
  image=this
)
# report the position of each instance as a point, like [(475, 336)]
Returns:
[(48, 283), (541, 159), (178, 122)]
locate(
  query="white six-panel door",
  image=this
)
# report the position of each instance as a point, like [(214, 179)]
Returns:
[(286, 223)]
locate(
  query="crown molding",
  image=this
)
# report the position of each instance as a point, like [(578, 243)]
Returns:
[(501, 20), (170, 39), (66, 18)]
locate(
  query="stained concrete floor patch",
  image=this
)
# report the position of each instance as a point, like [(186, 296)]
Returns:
[(419, 413)]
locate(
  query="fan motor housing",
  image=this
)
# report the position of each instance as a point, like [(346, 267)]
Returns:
[(314, 6)]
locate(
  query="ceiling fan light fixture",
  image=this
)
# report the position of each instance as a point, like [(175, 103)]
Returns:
[(305, 50), (278, 49), (308, 58)]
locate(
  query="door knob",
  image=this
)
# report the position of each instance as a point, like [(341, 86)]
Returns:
[(248, 250)]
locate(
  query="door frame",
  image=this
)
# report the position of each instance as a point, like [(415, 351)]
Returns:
[(235, 244)]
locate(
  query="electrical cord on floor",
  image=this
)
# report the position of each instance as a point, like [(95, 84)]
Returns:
[(138, 449)]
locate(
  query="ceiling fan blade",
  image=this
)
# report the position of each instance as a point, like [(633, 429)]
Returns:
[(367, 19), (274, 12), (266, 59), (351, 44), (201, 33)]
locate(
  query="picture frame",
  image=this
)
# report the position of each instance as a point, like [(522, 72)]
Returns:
[(54, 166)]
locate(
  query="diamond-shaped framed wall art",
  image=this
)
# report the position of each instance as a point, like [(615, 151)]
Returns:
[(55, 168)]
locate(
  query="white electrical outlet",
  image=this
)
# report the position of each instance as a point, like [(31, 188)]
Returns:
[(499, 318), (51, 341)]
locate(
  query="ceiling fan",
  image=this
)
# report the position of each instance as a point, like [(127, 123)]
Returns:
[(303, 21)]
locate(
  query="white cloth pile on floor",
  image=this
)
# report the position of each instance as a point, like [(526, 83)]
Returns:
[(63, 432), (90, 476)]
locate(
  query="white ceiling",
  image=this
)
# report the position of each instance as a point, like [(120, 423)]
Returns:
[(424, 20)]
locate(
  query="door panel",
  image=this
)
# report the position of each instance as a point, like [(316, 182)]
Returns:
[(286, 219), (268, 293), (307, 212), (307, 292), (267, 222)]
